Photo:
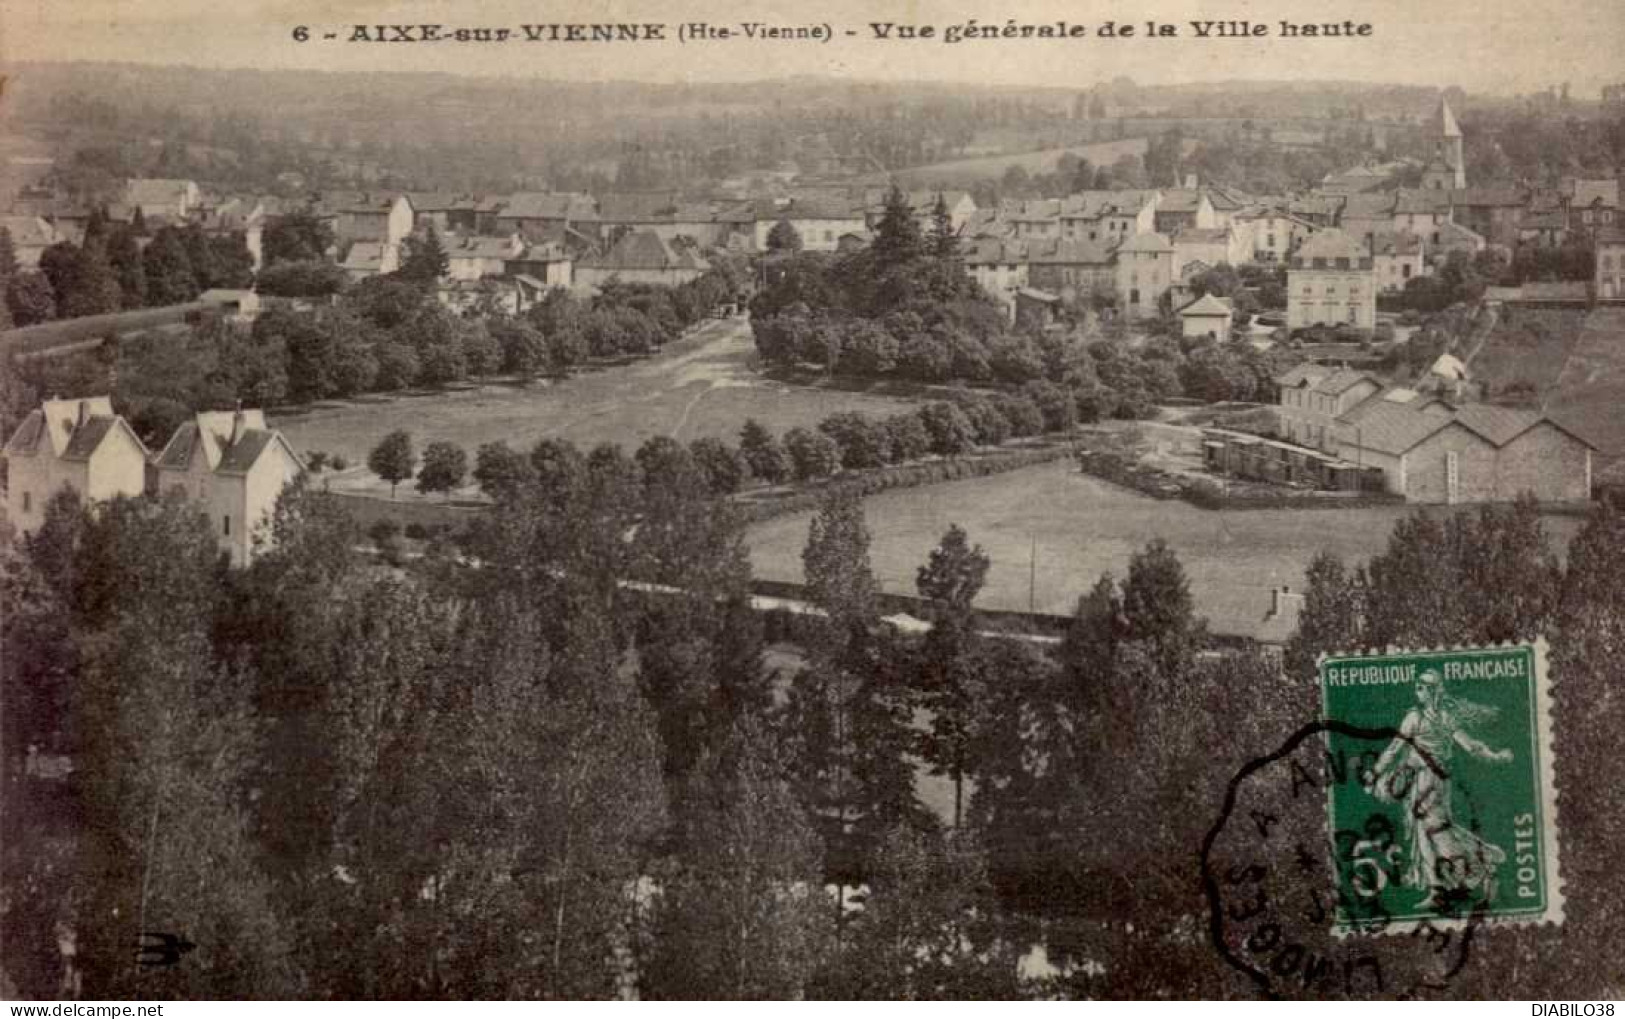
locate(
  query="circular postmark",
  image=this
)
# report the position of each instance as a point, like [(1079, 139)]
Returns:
[(1332, 873)]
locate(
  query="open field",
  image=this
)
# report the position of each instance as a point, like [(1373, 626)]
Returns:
[(1589, 394), (1043, 161), (1071, 528), (1576, 361), (704, 384), (1530, 345)]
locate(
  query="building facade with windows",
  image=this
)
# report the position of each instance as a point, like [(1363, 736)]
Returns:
[(235, 468), (77, 444), (1331, 281)]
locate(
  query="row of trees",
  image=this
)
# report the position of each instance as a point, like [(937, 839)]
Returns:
[(119, 266), (384, 335), (511, 774), (843, 441)]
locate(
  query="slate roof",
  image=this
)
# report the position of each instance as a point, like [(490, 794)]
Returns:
[(211, 431), (1330, 243), (1397, 243), (1422, 200), (28, 434), (1603, 192), (1095, 204), (1611, 235), (177, 452), (87, 438), (1181, 200), (1194, 235), (1341, 380), (1396, 428), (1152, 243), (241, 455), (1207, 306), (995, 251), (1367, 206), (1307, 372), (637, 206), (479, 247), (1552, 219), (365, 255), (1068, 251), (1487, 196), (645, 249), (1391, 428), (549, 205), (29, 231)]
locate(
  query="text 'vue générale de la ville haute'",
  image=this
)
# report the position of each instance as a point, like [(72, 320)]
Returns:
[(889, 31)]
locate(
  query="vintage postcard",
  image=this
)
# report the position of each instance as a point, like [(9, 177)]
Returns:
[(836, 499)]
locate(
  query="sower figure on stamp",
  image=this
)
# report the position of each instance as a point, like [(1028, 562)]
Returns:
[(1443, 858)]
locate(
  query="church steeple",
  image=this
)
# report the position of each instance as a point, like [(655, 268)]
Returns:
[(1447, 168)]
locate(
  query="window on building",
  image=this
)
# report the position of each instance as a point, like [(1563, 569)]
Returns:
[(1405, 270), (225, 524), (1134, 296), (1272, 240), (1354, 315), (28, 502)]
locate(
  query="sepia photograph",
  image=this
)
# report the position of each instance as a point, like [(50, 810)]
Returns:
[(840, 500)]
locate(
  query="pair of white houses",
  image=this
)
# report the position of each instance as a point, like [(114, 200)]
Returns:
[(228, 462)]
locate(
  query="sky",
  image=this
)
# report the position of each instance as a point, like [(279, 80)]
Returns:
[(1493, 46)]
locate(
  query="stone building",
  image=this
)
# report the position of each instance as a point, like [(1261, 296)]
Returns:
[(1331, 281)]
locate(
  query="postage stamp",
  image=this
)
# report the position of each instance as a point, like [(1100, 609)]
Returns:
[(1451, 810)]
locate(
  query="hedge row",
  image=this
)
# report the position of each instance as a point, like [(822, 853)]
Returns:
[(905, 476)]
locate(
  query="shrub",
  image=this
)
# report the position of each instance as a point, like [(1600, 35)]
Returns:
[(1024, 416), (416, 531), (992, 428), (950, 430), (316, 461), (337, 462), (720, 465), (1057, 407), (445, 464), (907, 437), (764, 455), (862, 442), (813, 454)]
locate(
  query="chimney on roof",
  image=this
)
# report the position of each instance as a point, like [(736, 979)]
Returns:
[(237, 423), (1284, 602), (83, 415)]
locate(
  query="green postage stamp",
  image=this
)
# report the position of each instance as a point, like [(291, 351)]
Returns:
[(1447, 811)]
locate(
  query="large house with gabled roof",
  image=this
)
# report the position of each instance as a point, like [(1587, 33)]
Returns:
[(79, 444), (235, 467), (642, 256)]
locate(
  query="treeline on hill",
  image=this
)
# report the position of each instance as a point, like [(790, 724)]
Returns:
[(118, 267), (506, 773), (387, 333), (905, 308)]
